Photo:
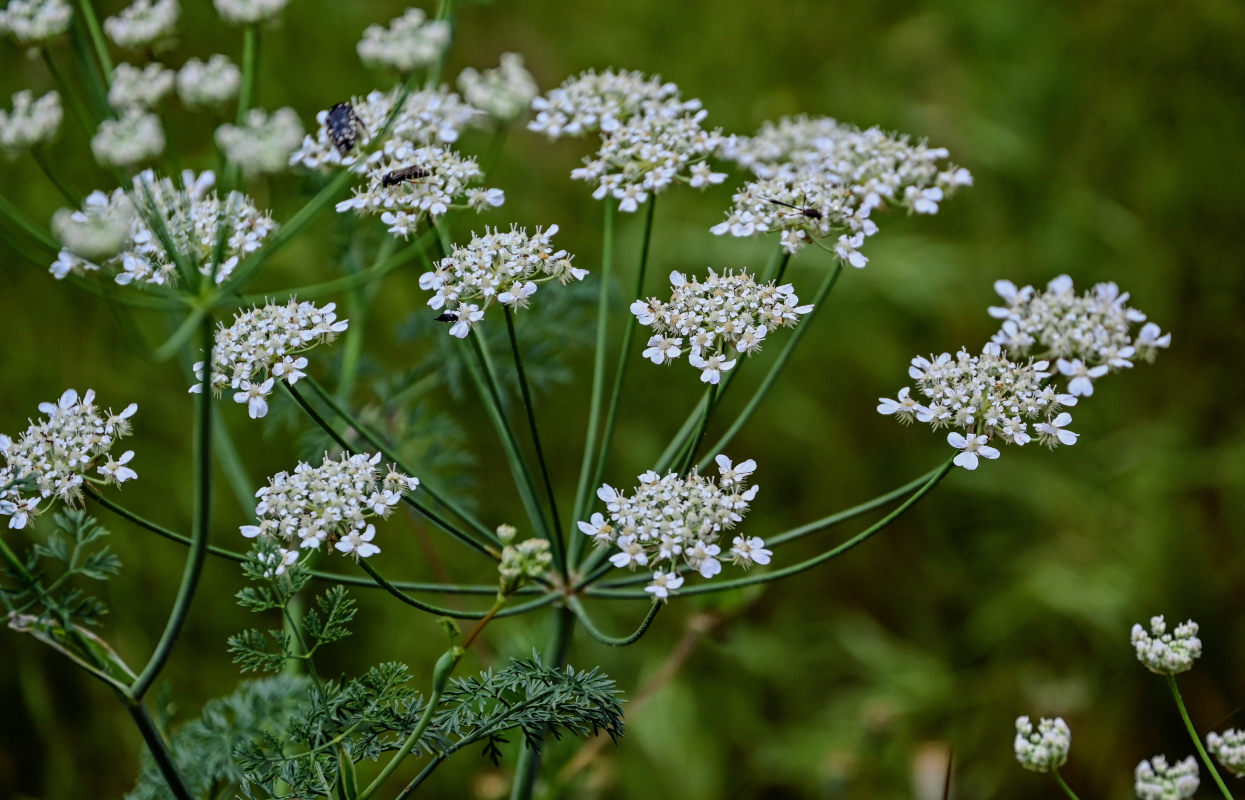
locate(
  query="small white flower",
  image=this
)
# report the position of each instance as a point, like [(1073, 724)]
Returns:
[(749, 550), (1082, 375), (34, 22), (143, 23), (1053, 433), (139, 88), (116, 469), (1154, 779), (1043, 749), (359, 543), (664, 584), (264, 142), (1229, 749), (504, 93), (410, 42), (973, 447), (208, 83), (1167, 653)]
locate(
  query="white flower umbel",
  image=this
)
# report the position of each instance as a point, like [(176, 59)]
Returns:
[(53, 457), (139, 88), (716, 319), (329, 504), (505, 93), (193, 217), (403, 202), (411, 42), (244, 12), (1154, 779), (209, 83), (1043, 749), (34, 22), (426, 117), (590, 102), (143, 23), (31, 122), (131, 140), (984, 398), (262, 346), (1229, 749), (821, 179), (1167, 653), (674, 521), (495, 268), (647, 154), (1087, 335), (263, 142)]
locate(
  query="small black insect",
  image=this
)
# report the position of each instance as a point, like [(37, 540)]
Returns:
[(343, 124), (404, 174), (448, 316), (805, 211)]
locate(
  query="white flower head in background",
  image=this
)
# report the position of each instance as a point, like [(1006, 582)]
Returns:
[(673, 521), (411, 42), (263, 142), (1045, 748), (245, 12), (592, 101), (505, 92), (54, 457), (210, 83), (1164, 652), (143, 23), (35, 22), (716, 320), (126, 142), (31, 122), (263, 345), (1229, 749), (1155, 779), (139, 88), (498, 267)]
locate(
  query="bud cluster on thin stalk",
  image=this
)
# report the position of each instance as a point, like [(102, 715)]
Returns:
[(264, 142), (1167, 652), (410, 42), (136, 89), (1228, 748), (1044, 748), (522, 562), (55, 456), (246, 12), (30, 122), (143, 23), (133, 138), (208, 83), (1155, 779), (35, 22), (505, 92)]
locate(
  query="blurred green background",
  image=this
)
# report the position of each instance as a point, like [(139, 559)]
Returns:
[(1105, 139)]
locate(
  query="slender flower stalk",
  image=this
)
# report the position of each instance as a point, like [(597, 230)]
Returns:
[(1197, 739)]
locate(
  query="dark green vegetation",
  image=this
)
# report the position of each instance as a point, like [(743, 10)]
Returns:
[(1105, 141)]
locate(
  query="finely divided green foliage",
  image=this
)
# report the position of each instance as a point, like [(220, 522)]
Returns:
[(46, 589)]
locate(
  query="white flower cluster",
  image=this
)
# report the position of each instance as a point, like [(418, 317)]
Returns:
[(263, 142), (719, 318), (1167, 653), (329, 504), (245, 12), (134, 138), (139, 88), (504, 93), (520, 563), (819, 179), (426, 117), (1089, 335), (262, 346), (985, 397), (1155, 779), (1229, 749), (52, 457), (143, 23), (208, 83), (191, 215), (30, 122), (496, 267), (1043, 749), (673, 520), (603, 102), (411, 42), (33, 22), (444, 182)]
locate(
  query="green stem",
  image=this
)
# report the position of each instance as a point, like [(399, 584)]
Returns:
[(694, 443), (85, 120), (445, 11), (28, 225), (528, 767), (1063, 784), (556, 532), (199, 531), (585, 619), (250, 71), (434, 699), (234, 468), (97, 38), (420, 778), (159, 750), (89, 69), (1197, 740)]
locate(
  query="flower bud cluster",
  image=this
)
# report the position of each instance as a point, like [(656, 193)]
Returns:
[(429, 116), (673, 521), (504, 93), (1155, 779), (819, 178), (246, 12), (1167, 653), (1229, 749), (52, 457), (403, 203), (716, 319), (193, 218), (209, 83), (139, 88), (520, 563), (411, 42), (34, 22), (1043, 749), (496, 267), (31, 122), (143, 23), (603, 102), (263, 142), (126, 142), (261, 346), (329, 504), (1088, 335)]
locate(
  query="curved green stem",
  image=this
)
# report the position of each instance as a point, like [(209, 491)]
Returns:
[(1063, 784), (1197, 740), (585, 619), (393, 589)]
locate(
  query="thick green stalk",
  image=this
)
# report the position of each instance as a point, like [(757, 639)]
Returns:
[(613, 641), (1197, 740), (159, 750), (528, 767)]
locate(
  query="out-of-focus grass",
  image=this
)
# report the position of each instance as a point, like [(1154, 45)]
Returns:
[(1105, 142)]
